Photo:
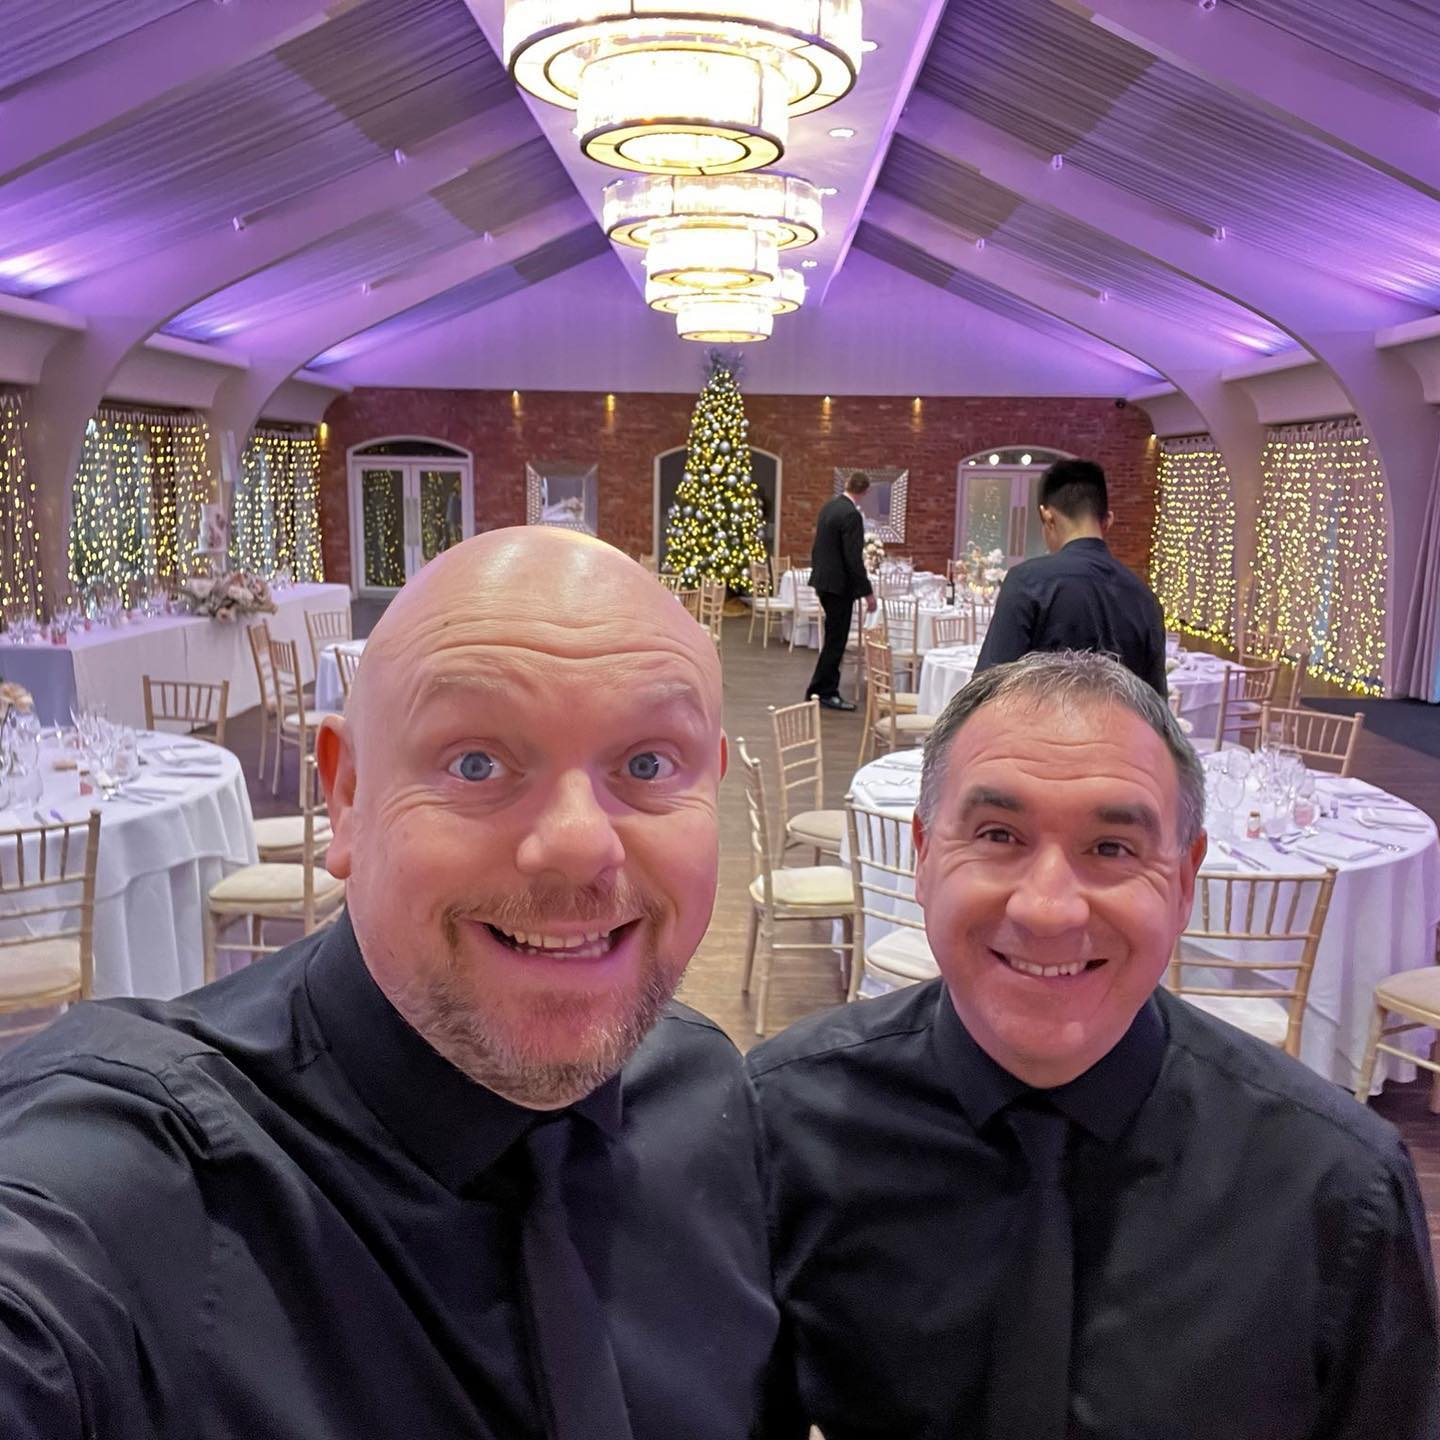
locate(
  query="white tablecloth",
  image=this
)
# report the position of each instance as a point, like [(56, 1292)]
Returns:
[(1383, 913), (103, 666), (945, 672), (928, 612), (329, 693), (158, 859)]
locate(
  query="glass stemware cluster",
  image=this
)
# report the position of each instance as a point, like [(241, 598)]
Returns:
[(1274, 782), (111, 751), (20, 777)]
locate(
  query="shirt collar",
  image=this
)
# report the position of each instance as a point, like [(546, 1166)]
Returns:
[(451, 1125), (1103, 1100), (1087, 540)]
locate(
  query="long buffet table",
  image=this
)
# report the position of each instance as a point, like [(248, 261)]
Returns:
[(104, 665)]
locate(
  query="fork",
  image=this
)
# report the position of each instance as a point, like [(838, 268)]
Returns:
[(1370, 840)]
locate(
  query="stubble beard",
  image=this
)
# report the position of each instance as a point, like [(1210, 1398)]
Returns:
[(503, 1046)]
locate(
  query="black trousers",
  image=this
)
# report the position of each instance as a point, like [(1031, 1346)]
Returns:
[(838, 612)]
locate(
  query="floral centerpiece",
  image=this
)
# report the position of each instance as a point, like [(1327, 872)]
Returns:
[(986, 569), (15, 697), (229, 596), (874, 555)]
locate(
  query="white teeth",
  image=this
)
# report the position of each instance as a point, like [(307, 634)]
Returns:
[(1044, 972), (557, 942)]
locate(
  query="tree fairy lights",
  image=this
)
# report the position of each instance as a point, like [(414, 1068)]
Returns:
[(1322, 552), (136, 498), (714, 525), (20, 579), (276, 522), (1192, 552)]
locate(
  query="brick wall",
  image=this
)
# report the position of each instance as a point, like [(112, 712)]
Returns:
[(810, 438)]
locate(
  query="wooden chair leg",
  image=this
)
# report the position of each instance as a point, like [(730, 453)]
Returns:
[(857, 960), (211, 929), (750, 949), (1367, 1066), (765, 959)]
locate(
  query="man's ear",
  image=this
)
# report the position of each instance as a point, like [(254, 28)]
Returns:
[(335, 762), (1107, 522), (919, 838), (724, 754)]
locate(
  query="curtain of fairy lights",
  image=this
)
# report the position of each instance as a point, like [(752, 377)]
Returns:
[(1192, 552), (275, 527), (1322, 551), (20, 579), (136, 499)]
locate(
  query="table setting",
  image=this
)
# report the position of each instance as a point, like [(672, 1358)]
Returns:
[(175, 819)]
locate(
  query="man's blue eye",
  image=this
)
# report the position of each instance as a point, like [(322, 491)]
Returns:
[(473, 765), (647, 766)]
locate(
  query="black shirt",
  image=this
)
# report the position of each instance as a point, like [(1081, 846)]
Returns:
[(1079, 598), (1251, 1258), (270, 1209)]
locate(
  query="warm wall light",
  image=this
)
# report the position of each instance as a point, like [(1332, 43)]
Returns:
[(324, 432), (610, 403)]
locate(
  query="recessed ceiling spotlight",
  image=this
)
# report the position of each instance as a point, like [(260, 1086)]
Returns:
[(1025, 459), (842, 132), (809, 264), (994, 459)]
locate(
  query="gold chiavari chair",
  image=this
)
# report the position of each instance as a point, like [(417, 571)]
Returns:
[(1275, 923), (47, 916), (882, 874), (1413, 998), (326, 627), (800, 760), (807, 607), (954, 629), (297, 723), (673, 583), (710, 608), (902, 634), (1245, 693), (196, 704), (884, 720), (765, 606), (258, 636), (347, 662), (798, 894), (1325, 742)]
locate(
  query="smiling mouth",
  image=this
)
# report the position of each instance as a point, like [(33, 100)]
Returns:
[(589, 945), (1047, 972)]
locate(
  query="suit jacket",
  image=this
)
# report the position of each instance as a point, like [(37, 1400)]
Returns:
[(837, 559), (1080, 598)]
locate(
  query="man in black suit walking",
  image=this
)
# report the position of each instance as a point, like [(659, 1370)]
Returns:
[(838, 578)]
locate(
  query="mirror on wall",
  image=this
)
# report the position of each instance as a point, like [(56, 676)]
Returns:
[(564, 493), (883, 504)]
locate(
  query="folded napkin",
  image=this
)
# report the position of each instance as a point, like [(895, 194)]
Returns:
[(902, 760), (1215, 861), (1330, 848), (1391, 817)]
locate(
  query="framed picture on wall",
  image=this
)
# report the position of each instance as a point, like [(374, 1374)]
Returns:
[(214, 538), (883, 504), (563, 493)]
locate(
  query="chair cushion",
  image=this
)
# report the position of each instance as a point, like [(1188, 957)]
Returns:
[(1415, 992), (274, 885), (312, 718), (1266, 1020), (287, 832), (39, 967), (822, 887), (818, 827), (903, 955), (915, 724)]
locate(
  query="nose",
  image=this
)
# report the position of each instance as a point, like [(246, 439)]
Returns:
[(1048, 898), (572, 838)]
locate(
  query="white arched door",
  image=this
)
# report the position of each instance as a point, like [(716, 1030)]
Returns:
[(410, 498), (996, 501)]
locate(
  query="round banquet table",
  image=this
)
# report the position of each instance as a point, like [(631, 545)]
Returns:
[(329, 693), (928, 611), (161, 850), (1383, 910)]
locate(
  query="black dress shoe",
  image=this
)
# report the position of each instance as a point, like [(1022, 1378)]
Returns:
[(836, 702)]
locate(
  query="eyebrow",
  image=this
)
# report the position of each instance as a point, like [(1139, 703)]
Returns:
[(650, 697), (1135, 817)]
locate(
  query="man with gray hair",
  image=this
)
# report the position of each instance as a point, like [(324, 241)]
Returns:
[(1040, 1197)]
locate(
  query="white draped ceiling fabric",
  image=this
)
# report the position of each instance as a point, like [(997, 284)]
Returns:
[(356, 187)]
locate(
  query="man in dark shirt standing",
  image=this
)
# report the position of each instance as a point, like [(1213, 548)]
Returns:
[(1079, 597), (1041, 1199), (838, 578), (456, 1166)]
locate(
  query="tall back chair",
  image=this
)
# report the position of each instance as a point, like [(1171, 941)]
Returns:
[(710, 611), (802, 894), (954, 629), (1276, 921), (47, 916), (258, 637), (882, 874), (765, 606), (347, 662), (297, 723), (1247, 690), (195, 704), (779, 566), (800, 761), (296, 891), (1325, 742), (893, 581), (886, 718), (673, 583), (807, 606), (902, 633), (326, 627)]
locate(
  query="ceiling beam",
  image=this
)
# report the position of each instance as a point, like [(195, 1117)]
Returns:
[(1333, 319), (98, 89), (277, 351), (125, 305), (1190, 360), (1323, 94)]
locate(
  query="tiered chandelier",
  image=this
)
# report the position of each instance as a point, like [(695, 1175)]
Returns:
[(713, 246), (684, 87)]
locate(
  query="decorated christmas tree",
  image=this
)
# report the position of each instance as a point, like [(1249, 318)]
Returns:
[(713, 531)]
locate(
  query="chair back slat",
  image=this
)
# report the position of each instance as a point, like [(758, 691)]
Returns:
[(192, 703), (347, 662), (882, 866), (326, 627), (799, 757), (1324, 741), (758, 817), (954, 629)]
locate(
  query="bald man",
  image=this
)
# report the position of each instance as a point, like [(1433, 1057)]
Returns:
[(457, 1166)]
